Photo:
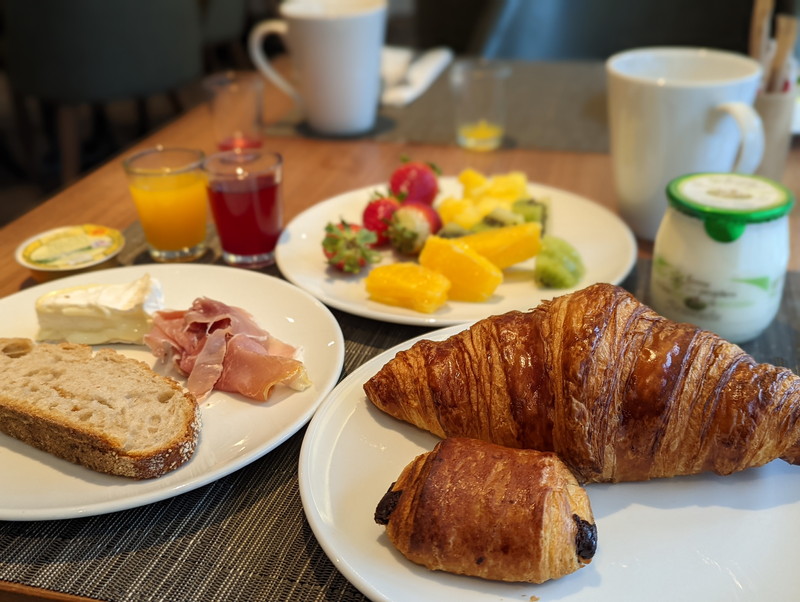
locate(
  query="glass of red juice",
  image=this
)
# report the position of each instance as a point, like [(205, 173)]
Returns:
[(244, 192)]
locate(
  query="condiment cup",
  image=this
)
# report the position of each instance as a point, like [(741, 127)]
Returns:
[(70, 250), (721, 253)]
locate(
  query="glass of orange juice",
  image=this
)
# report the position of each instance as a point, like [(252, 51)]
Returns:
[(169, 191), (479, 94)]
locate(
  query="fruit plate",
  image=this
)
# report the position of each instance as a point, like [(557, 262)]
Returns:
[(701, 537), (235, 431), (606, 244)]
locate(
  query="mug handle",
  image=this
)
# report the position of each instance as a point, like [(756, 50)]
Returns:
[(254, 46), (751, 151)]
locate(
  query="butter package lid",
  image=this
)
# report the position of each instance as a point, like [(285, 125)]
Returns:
[(69, 249)]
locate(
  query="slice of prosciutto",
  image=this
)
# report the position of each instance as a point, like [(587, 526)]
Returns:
[(218, 346)]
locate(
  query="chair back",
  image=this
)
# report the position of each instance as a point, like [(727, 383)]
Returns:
[(224, 21), (596, 29), (73, 51)]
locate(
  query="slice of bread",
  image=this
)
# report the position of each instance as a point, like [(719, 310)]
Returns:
[(99, 409)]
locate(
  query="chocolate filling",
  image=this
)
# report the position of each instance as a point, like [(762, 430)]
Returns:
[(387, 505), (585, 538)]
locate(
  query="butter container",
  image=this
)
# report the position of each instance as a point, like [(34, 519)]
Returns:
[(721, 253), (70, 250)]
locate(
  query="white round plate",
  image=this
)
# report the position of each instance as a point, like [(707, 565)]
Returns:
[(703, 537), (606, 244), (235, 431)]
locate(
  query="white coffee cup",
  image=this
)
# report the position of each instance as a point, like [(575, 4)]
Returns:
[(674, 111), (335, 49)]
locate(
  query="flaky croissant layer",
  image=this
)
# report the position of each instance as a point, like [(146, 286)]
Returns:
[(617, 391), (475, 508)]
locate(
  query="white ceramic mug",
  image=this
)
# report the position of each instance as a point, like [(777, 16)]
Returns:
[(335, 48), (674, 111)]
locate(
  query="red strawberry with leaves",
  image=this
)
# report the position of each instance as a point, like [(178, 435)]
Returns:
[(377, 215), (411, 225), (348, 247), (415, 181)]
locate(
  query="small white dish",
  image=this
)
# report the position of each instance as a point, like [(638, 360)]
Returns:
[(606, 244), (235, 430), (69, 250)]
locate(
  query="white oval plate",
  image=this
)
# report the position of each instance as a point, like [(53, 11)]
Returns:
[(235, 431), (710, 538), (607, 245)]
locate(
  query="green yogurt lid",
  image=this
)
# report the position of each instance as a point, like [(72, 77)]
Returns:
[(727, 202)]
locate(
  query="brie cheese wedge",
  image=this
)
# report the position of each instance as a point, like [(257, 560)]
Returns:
[(100, 313)]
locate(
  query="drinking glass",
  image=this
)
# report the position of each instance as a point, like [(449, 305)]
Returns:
[(169, 190), (236, 102), (479, 94), (244, 192)]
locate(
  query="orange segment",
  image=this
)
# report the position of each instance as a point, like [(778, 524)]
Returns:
[(409, 285), (507, 245), (472, 276), (472, 180)]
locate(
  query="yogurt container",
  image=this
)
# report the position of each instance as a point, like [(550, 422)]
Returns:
[(69, 250), (721, 253)]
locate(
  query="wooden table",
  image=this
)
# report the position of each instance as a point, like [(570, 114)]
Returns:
[(315, 169)]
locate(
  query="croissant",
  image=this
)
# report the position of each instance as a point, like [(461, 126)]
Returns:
[(475, 508), (617, 391)]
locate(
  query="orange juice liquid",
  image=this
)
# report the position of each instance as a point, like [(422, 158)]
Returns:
[(173, 209), (481, 135)]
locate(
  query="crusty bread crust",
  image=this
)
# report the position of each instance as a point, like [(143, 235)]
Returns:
[(46, 386)]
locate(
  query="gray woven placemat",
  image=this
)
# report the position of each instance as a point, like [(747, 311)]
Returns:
[(551, 106)]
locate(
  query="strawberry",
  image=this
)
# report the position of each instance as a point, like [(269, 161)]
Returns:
[(415, 181), (376, 217), (347, 247), (411, 225)]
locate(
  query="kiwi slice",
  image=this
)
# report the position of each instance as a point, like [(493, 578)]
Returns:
[(558, 265), (500, 217), (452, 230), (531, 210)]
